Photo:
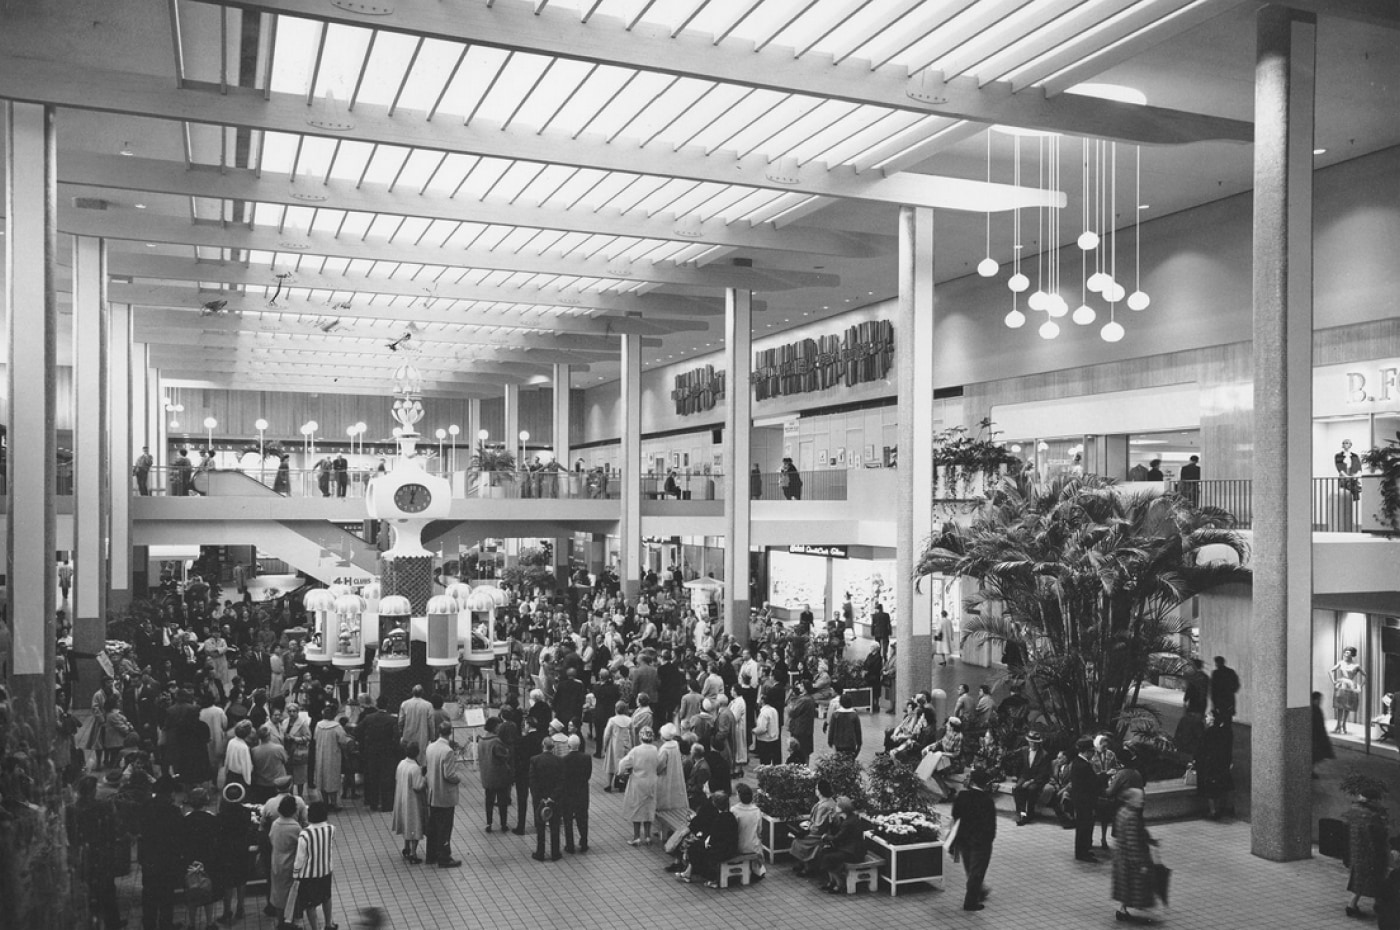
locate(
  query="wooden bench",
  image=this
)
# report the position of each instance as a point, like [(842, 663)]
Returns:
[(740, 867), (671, 820), (867, 872)]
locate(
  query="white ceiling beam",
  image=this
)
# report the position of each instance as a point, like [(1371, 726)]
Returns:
[(295, 384), (60, 83), (487, 353), (651, 47), (271, 361), (167, 177), (172, 268), (188, 298), (170, 230), (179, 323)]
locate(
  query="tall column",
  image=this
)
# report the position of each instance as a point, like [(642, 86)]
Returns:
[(122, 407), (1281, 625), (738, 419), (140, 394), (160, 433), (512, 421), (629, 529), (31, 208), (90, 492), (563, 454), (473, 421), (914, 522)]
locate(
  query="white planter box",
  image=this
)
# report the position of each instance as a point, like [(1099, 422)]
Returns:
[(908, 863)]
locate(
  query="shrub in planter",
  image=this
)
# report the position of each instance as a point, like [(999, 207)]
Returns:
[(893, 787), (786, 792), (846, 777), (1356, 782)]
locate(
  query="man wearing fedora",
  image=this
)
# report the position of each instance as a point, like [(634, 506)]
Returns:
[(1034, 773)]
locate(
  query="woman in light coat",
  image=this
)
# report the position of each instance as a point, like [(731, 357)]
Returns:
[(670, 782), (283, 836), (410, 802), (296, 739), (617, 742), (643, 763), (331, 741)]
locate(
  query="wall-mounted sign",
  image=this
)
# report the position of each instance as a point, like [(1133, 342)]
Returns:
[(830, 552), (1356, 388), (698, 390), (865, 353)]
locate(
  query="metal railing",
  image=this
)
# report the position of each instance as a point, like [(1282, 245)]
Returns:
[(828, 484), (173, 481), (1336, 502)]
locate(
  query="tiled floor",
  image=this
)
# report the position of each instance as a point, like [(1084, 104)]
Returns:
[(1036, 884)]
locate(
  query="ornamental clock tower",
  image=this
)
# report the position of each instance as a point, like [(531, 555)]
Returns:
[(408, 498)]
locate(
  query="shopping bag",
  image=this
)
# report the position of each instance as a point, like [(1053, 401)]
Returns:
[(925, 768), (1189, 779)]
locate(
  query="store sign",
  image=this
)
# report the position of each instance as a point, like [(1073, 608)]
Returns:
[(865, 353), (1357, 388), (830, 552), (698, 390)]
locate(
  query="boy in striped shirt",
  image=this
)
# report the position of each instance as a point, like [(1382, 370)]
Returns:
[(312, 871)]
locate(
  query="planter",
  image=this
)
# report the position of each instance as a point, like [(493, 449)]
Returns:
[(775, 836), (861, 698), (907, 863)]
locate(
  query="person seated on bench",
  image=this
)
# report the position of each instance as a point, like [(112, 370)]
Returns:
[(824, 815), (746, 814), (703, 855), (699, 827), (1034, 772), (906, 733), (843, 847), (947, 755)]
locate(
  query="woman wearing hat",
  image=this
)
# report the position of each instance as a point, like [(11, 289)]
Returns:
[(643, 764), (200, 843), (670, 783), (947, 754), (1132, 860), (847, 845), (1367, 828)]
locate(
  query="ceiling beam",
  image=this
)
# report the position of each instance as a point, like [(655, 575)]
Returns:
[(1382, 13), (160, 176), (493, 353), (61, 83), (290, 363), (651, 47), (176, 324), (294, 384), (188, 298), (171, 268), (148, 227)]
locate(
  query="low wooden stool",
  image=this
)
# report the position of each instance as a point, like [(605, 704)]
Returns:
[(740, 868), (867, 871)]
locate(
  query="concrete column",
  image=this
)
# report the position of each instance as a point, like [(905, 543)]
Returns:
[(562, 449), (913, 625), (512, 420), (473, 425), (738, 419), (31, 209), (122, 407), (91, 498), (140, 397), (630, 525), (1281, 624), (160, 436)]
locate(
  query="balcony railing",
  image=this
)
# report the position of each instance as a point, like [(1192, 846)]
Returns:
[(1335, 508)]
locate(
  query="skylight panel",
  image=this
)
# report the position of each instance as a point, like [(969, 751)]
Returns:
[(552, 87), (297, 40), (412, 230), (1066, 28), (326, 221), (506, 86), (603, 188), (483, 177), (734, 203), (862, 24), (385, 164), (887, 125), (414, 171), (385, 69), (753, 108), (266, 214), (1011, 28), (314, 158), (356, 224), (451, 173), (470, 82), (627, 101), (709, 106), (491, 237), (341, 63), (279, 148), (350, 160)]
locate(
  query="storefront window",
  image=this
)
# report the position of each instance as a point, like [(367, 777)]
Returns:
[(1357, 671)]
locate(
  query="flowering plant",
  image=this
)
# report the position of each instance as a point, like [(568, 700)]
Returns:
[(907, 827)]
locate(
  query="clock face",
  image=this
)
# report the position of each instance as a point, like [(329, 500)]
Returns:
[(412, 498)]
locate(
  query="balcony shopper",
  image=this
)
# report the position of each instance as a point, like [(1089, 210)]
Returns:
[(790, 481)]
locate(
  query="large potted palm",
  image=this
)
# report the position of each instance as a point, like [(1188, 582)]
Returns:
[(492, 469), (1086, 581)]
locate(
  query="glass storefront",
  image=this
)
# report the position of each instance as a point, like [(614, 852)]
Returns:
[(1356, 668)]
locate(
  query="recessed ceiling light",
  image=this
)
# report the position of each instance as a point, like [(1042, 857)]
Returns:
[(140, 206), (150, 245), (1319, 151), (1144, 206)]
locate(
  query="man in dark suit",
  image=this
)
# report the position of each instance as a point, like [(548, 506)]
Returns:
[(976, 815), (256, 668), (547, 785), (670, 688), (568, 698), (578, 771), (1035, 771), (378, 736), (1083, 793)]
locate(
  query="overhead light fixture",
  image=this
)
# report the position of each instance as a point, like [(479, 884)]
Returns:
[(1319, 151), (139, 206)]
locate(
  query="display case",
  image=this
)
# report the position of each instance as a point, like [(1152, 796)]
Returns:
[(349, 645), (320, 617), (477, 626), (442, 631), (369, 620), (395, 613)]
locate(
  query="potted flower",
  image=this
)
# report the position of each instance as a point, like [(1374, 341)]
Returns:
[(846, 775), (785, 796), (964, 463), (1385, 460)]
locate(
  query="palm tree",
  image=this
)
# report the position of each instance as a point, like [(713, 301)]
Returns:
[(1086, 581)]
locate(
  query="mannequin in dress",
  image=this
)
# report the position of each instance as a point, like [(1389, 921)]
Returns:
[(1347, 676)]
